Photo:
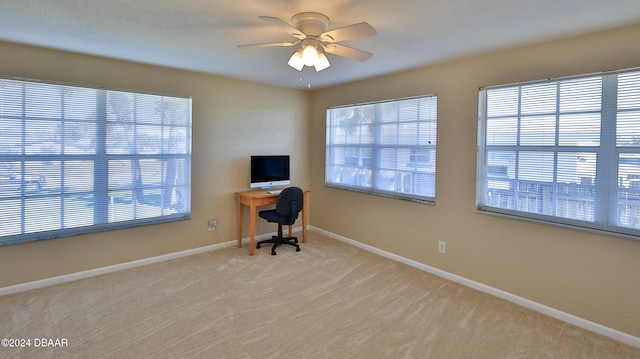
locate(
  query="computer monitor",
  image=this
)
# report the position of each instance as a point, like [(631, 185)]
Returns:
[(269, 171)]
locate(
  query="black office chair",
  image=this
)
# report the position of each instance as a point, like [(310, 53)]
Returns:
[(288, 206)]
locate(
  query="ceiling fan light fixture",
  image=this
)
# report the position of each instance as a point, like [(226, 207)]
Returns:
[(309, 55), (322, 63), (314, 41), (295, 60)]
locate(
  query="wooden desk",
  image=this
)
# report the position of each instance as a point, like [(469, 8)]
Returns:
[(258, 198)]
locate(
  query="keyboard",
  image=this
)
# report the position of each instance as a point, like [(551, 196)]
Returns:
[(274, 191)]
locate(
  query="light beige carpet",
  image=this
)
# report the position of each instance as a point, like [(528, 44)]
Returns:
[(330, 300)]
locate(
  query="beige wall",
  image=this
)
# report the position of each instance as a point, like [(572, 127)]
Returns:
[(231, 120), (592, 276)]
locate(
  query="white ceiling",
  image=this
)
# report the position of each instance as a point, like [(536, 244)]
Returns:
[(202, 35)]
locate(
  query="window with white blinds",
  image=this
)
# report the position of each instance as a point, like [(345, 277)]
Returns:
[(564, 151), (386, 148), (76, 159)]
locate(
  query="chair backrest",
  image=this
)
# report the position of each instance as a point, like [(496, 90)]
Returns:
[(290, 203)]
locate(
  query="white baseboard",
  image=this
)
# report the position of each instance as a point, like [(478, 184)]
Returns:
[(540, 308), (104, 270)]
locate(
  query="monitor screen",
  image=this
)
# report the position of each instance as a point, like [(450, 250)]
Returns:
[(269, 171)]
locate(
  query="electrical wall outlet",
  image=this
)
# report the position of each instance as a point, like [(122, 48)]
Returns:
[(442, 247), (212, 224)]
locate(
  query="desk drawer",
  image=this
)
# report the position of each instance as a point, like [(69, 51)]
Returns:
[(267, 201)]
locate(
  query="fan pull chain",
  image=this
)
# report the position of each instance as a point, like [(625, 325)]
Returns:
[(300, 79)]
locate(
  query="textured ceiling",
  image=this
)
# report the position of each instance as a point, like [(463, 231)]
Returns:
[(202, 35)]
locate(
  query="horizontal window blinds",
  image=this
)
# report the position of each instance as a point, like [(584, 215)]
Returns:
[(76, 159), (386, 148), (565, 151)]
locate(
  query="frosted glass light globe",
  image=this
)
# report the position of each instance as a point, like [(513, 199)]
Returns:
[(309, 56)]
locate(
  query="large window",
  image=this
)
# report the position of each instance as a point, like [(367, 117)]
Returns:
[(564, 151), (76, 159), (386, 148)]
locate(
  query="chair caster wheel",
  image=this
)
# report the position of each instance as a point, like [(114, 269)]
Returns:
[(258, 245), (297, 249), (273, 253)]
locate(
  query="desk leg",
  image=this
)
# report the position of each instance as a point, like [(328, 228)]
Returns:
[(252, 230), (240, 221), (304, 219)]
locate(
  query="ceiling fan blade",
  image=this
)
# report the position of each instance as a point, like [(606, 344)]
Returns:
[(271, 44), (348, 32), (283, 25), (348, 52)]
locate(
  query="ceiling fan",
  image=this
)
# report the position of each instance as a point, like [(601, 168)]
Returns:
[(313, 39)]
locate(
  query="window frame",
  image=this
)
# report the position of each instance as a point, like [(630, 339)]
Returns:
[(608, 152), (99, 162), (367, 155)]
